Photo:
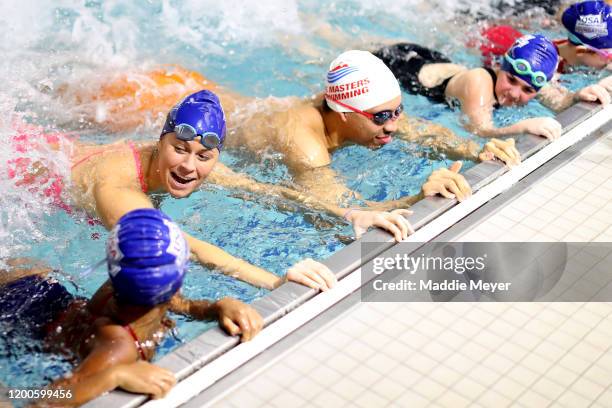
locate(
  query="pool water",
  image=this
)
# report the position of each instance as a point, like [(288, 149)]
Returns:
[(253, 48)]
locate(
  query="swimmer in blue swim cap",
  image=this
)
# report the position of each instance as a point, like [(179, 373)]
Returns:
[(110, 180), (589, 26), (527, 70), (115, 333), (198, 116)]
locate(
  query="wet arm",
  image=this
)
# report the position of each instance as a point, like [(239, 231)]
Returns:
[(225, 177), (99, 371), (556, 97), (197, 309), (212, 256), (436, 137), (112, 202)]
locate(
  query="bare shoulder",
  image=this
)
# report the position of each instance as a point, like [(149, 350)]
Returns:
[(306, 147), (115, 164), (475, 81), (474, 75)]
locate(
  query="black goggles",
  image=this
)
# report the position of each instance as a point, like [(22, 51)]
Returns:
[(380, 118)]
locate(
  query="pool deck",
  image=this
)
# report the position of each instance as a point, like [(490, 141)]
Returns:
[(458, 354)]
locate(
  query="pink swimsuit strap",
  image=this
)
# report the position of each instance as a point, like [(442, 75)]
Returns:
[(137, 160), (141, 179)]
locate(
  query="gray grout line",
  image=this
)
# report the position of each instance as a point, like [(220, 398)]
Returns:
[(344, 261)]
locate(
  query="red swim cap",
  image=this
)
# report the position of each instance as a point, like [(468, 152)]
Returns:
[(497, 40)]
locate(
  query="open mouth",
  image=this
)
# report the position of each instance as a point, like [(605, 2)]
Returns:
[(181, 180)]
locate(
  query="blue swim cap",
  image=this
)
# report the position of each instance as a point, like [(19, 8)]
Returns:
[(147, 256), (199, 114), (532, 58), (590, 23)]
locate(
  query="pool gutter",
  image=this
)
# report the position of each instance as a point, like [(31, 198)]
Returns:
[(201, 362)]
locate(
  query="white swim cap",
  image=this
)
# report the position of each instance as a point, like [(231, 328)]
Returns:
[(360, 80)]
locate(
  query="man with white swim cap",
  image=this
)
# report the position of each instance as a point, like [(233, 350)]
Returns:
[(362, 104)]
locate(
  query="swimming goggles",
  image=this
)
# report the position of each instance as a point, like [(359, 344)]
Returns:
[(607, 55), (522, 67), (187, 133), (379, 118)]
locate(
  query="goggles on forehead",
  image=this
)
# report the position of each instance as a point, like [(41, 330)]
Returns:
[(523, 67), (602, 53), (379, 118), (187, 133)]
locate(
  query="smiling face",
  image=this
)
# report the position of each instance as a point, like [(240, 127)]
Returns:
[(365, 132), (183, 166), (511, 90)]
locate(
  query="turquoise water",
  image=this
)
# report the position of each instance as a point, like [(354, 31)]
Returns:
[(257, 49)]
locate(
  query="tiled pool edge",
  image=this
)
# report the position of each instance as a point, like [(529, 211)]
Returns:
[(211, 344)]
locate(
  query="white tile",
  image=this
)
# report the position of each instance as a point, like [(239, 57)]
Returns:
[(285, 399), (523, 375), (562, 376), (586, 351), (422, 363), (336, 338), (460, 363), (405, 376), (364, 376), (302, 361), (575, 364), (358, 350), (375, 339), (305, 388), (347, 388), (412, 399), (548, 389), (429, 389), (389, 388), (381, 363), (599, 375), (452, 399), (262, 386), (445, 375), (513, 214), (484, 376), (494, 399), (533, 399), (286, 374), (437, 351), (368, 399), (587, 388), (324, 376), (469, 388), (605, 400), (241, 398), (572, 400), (520, 232), (536, 363), (329, 399), (509, 388)]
